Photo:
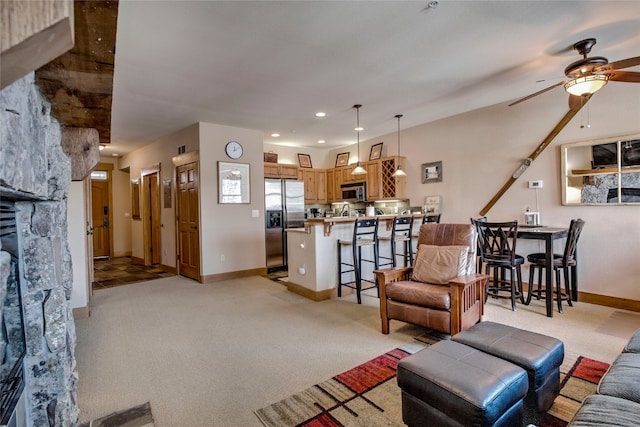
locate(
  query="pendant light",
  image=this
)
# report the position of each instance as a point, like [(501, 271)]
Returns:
[(399, 171), (358, 170)]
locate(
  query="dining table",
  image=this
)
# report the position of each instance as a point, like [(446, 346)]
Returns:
[(549, 235)]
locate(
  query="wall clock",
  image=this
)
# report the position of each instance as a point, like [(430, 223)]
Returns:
[(233, 149)]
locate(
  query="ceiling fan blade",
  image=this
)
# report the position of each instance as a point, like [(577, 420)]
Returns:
[(535, 94), (618, 65), (624, 76)]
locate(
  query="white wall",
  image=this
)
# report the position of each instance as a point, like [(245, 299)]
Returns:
[(77, 237), (230, 229)]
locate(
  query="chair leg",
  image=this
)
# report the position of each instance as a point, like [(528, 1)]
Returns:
[(558, 290), (519, 275), (513, 288), (568, 285), (339, 270), (357, 266), (530, 290)]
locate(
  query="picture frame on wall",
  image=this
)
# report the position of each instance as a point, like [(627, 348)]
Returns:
[(304, 160), (342, 159), (431, 172), (234, 183), (376, 151)]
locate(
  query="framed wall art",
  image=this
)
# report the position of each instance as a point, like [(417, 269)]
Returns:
[(135, 199), (431, 172), (233, 183), (342, 159), (376, 151), (305, 160)]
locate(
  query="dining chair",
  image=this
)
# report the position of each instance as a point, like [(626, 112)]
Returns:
[(564, 262), (497, 245)]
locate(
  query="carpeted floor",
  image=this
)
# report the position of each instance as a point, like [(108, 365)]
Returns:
[(369, 395)]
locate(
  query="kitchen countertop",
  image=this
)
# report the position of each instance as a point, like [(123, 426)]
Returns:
[(328, 222)]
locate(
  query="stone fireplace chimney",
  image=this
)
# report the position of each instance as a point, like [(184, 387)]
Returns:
[(35, 175)]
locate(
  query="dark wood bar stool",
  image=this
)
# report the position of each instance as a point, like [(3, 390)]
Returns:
[(497, 244), (401, 233), (365, 234), (563, 262)]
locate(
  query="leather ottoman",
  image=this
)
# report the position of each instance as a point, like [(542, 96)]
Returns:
[(451, 384), (540, 355)]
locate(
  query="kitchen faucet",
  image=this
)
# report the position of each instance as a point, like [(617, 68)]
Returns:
[(345, 210)]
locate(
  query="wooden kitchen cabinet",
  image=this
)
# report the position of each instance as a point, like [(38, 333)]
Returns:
[(381, 184), (315, 185), (331, 185), (277, 170)]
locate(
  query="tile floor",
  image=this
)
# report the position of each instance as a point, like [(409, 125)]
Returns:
[(120, 271)]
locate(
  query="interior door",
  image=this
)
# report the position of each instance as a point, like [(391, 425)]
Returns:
[(100, 218), (188, 220), (152, 220)]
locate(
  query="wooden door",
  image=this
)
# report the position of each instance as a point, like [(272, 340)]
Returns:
[(100, 218), (188, 220), (89, 239)]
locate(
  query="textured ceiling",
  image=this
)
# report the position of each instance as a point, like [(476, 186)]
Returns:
[(270, 65)]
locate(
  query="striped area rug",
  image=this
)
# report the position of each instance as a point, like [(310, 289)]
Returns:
[(368, 395)]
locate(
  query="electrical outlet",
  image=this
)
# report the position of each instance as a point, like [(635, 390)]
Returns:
[(222, 258), (536, 184)]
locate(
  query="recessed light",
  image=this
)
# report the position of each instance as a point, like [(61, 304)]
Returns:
[(359, 129), (275, 135), (320, 114), (321, 141), (102, 147), (115, 155)]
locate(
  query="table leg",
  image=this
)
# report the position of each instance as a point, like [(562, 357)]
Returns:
[(549, 276), (574, 278)]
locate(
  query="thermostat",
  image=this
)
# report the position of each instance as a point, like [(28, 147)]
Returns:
[(535, 184)]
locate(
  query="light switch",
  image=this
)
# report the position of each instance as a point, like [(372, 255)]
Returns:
[(255, 213)]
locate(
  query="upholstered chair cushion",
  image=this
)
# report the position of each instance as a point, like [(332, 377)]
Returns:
[(439, 264), (451, 234)]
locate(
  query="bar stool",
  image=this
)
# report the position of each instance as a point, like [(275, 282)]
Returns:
[(497, 243), (365, 233), (400, 233), (416, 230), (560, 262)]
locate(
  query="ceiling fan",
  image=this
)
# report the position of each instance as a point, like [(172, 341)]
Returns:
[(590, 74)]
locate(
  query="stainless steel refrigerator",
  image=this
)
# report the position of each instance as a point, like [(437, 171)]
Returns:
[(284, 208)]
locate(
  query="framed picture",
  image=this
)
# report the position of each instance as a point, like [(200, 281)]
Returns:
[(271, 157), (135, 199), (376, 151), (305, 160), (431, 172), (233, 183), (342, 159)]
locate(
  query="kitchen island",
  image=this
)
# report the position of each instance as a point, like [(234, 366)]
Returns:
[(313, 253)]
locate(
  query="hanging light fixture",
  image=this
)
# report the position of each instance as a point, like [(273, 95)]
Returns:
[(399, 171), (358, 170), (586, 85)]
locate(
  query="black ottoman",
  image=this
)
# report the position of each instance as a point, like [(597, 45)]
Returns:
[(540, 355), (451, 384)]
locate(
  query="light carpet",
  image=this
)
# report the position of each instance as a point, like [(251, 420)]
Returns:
[(368, 395)]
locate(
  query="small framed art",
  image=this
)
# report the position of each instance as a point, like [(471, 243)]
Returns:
[(342, 159), (376, 151), (431, 172), (233, 183), (305, 160)]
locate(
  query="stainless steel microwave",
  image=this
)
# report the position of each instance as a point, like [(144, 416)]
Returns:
[(356, 192)]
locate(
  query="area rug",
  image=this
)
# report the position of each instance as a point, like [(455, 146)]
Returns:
[(368, 395)]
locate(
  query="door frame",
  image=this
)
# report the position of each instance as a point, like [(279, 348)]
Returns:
[(108, 168), (148, 185)]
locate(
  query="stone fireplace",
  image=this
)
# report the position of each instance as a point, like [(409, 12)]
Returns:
[(35, 262)]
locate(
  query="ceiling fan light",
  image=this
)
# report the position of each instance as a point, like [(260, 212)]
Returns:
[(358, 170), (586, 85)]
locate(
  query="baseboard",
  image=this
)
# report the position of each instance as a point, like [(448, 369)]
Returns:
[(169, 269), (81, 312), (137, 261), (603, 300), (233, 275), (311, 294), (121, 254)]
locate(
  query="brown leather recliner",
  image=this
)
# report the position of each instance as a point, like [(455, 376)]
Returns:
[(451, 307)]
